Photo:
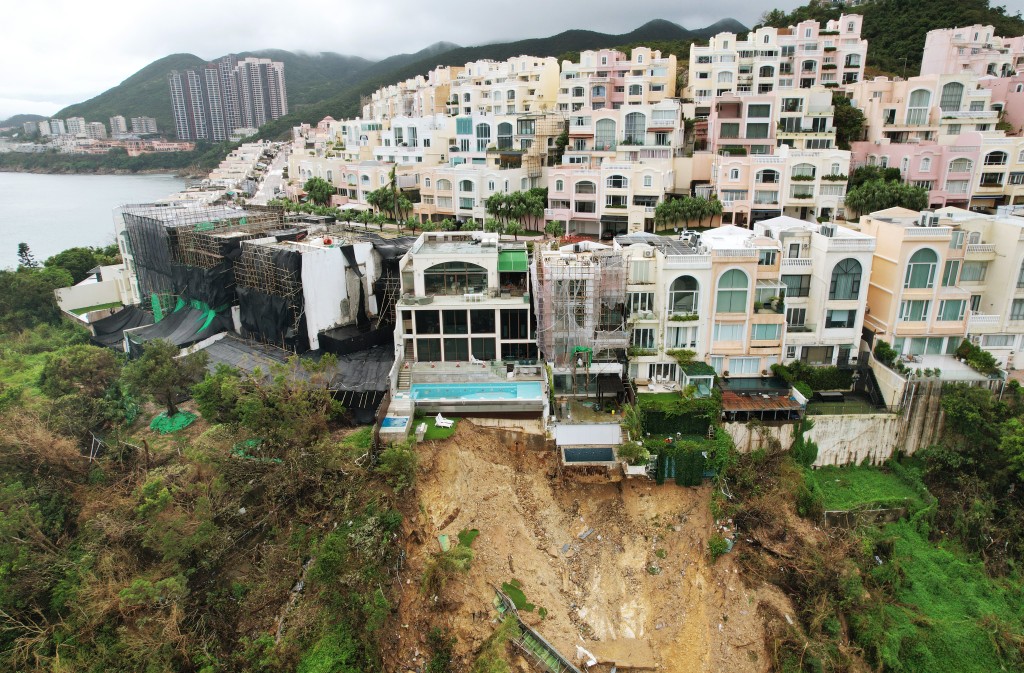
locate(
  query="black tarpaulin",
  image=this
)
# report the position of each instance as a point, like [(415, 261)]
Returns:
[(184, 327), (109, 331)]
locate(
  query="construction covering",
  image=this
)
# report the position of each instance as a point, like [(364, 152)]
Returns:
[(270, 295), (189, 323), (109, 331)]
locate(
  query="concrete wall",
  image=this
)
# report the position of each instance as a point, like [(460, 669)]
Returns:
[(89, 294), (841, 440)]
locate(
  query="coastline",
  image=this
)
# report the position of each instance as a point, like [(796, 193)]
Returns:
[(104, 170)]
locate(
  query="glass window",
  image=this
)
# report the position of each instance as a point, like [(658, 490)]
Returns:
[(998, 340), (640, 272), (682, 295), (728, 331), (742, 366), (1017, 310), (837, 319), (732, 292), (914, 311), (428, 350), (952, 310), (483, 349), (636, 128), (604, 135), (640, 301), (617, 182), (456, 350), (454, 278), (515, 323), (428, 322), (950, 272), (845, 280), (797, 286), (767, 257), (952, 94), (759, 110), (586, 187), (921, 269), (974, 272), (765, 332), (454, 322), (643, 337), (504, 136), (481, 321), (681, 337)]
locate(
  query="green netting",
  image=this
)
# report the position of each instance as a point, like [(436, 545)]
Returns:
[(158, 313), (204, 226), (165, 424)]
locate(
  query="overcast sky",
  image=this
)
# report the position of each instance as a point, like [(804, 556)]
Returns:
[(56, 52)]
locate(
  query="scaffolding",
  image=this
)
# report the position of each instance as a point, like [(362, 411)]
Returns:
[(273, 269), (581, 304)]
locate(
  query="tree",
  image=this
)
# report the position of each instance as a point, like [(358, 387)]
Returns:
[(515, 227), (878, 195), (26, 297), (82, 368), (446, 225), (25, 257), (162, 374), (319, 191), (1011, 444), (493, 225), (868, 173), (555, 228), (709, 208), (77, 261), (848, 120), (429, 225)]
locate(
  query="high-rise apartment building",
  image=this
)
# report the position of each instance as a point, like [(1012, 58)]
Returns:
[(118, 124), (209, 104), (57, 127), (143, 125), (96, 130), (75, 125)]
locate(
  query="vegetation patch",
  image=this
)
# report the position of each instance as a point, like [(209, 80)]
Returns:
[(515, 592), (854, 487)]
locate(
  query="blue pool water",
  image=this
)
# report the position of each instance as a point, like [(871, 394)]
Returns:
[(522, 390), (394, 422)]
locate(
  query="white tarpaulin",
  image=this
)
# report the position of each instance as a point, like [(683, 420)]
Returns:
[(323, 289)]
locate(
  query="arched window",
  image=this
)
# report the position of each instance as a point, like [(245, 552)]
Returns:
[(724, 77), (635, 89), (586, 187), (921, 270), (1019, 88), (732, 292), (904, 165), (330, 176), (997, 158), (465, 97), (636, 128), (504, 136), (559, 185), (604, 135), (766, 71), (803, 171), (524, 184), (351, 179), (974, 238), (577, 92), (616, 182), (917, 108), (952, 96), (926, 164), (597, 91), (365, 179), (454, 278), (961, 165), (845, 280), (426, 182), (734, 174), (682, 295), (466, 186), (444, 185), (767, 176), (809, 66)]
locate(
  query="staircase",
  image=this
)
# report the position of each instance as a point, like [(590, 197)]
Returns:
[(403, 379)]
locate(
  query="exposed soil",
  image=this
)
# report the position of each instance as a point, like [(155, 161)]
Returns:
[(638, 592)]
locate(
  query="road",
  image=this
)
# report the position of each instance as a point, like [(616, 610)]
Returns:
[(272, 179)]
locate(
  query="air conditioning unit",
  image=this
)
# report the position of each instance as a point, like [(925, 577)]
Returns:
[(648, 253), (828, 230)]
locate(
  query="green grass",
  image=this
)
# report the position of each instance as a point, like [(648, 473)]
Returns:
[(360, 440), (97, 307), (467, 536), (650, 400), (512, 590), (844, 488), (22, 370), (946, 614), (852, 406), (434, 432)]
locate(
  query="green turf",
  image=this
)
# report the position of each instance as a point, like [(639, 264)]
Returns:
[(844, 488), (946, 614), (434, 432), (840, 408), (97, 307)]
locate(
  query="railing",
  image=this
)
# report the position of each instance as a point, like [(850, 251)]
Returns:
[(982, 319), (796, 262), (688, 261), (806, 328), (980, 248), (852, 244), (736, 252), (927, 232)]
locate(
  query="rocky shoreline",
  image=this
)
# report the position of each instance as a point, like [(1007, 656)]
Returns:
[(103, 170)]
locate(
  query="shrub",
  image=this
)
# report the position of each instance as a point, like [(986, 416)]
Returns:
[(886, 354), (398, 465), (717, 546)]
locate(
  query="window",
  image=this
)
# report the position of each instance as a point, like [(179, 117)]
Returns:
[(682, 295), (483, 349), (926, 165), (724, 77), (635, 89), (961, 165), (732, 292), (796, 317), (953, 129), (921, 269), (444, 185), (759, 110), (952, 310), (797, 286), (845, 280), (664, 371), (428, 350), (974, 272), (648, 181), (514, 323), (636, 128), (729, 130), (765, 332), (481, 321), (998, 340), (616, 182), (681, 337), (952, 95), (504, 136), (604, 135), (559, 185), (992, 179), (428, 322), (454, 322), (640, 301), (914, 311), (803, 171), (642, 337), (734, 174), (1020, 277), (728, 331), (766, 257), (1016, 309), (917, 107), (451, 278), (466, 186), (740, 366), (767, 177), (766, 70), (586, 187), (996, 158), (950, 273), (640, 272), (840, 319)]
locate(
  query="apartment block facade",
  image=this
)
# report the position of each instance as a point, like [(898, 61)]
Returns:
[(971, 49), (609, 78)]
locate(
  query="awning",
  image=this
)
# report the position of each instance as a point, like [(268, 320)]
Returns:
[(512, 260)]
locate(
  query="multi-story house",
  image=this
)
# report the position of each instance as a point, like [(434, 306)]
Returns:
[(144, 125), (975, 49), (1007, 98), (415, 97), (608, 78), (465, 296), (999, 178), (422, 140), (769, 59), (459, 192), (616, 168), (825, 268), (521, 84), (917, 299), (775, 154)]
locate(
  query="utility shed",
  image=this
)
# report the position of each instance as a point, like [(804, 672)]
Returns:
[(588, 443)]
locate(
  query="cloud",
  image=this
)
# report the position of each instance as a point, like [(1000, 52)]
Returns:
[(64, 53)]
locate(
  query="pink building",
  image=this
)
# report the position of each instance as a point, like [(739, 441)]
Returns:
[(974, 49), (1008, 98), (945, 168)]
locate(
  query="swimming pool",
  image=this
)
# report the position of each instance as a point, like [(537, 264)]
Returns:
[(521, 390), (394, 422)]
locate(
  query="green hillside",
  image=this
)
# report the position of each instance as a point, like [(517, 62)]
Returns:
[(896, 29), (18, 120)]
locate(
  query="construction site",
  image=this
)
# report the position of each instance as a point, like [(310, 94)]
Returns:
[(612, 573), (581, 316)]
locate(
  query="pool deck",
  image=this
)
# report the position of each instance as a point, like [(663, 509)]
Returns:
[(468, 372)]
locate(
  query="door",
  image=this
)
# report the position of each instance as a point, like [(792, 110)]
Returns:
[(794, 250)]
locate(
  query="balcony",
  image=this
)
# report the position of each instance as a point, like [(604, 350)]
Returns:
[(806, 328), (674, 262), (796, 263), (944, 233), (981, 251), (981, 320)]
